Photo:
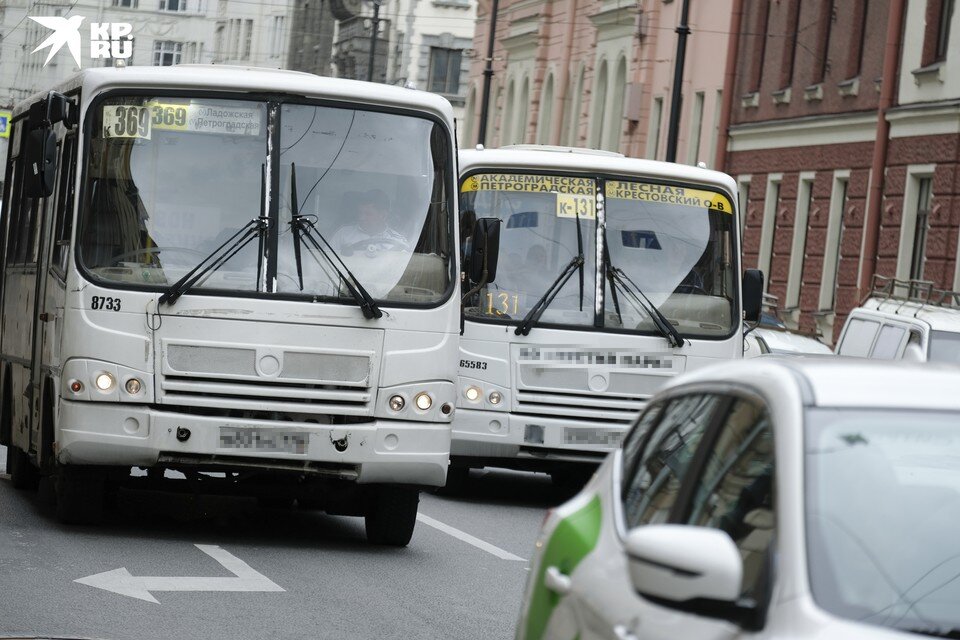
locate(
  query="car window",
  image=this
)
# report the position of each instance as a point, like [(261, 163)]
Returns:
[(634, 440), (735, 490), (888, 342), (652, 486), (858, 337)]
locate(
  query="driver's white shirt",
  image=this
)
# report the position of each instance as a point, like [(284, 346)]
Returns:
[(350, 235)]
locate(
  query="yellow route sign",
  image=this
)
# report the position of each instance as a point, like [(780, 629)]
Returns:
[(667, 194), (528, 183)]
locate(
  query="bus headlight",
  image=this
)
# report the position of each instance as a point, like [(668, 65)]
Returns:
[(104, 381), (133, 386), (495, 397), (423, 401), (472, 393)]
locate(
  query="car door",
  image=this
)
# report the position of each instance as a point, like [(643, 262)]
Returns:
[(731, 487), (655, 458)]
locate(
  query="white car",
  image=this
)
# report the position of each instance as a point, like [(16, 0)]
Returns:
[(780, 497), (765, 339)]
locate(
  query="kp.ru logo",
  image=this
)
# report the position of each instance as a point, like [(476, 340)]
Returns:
[(107, 39)]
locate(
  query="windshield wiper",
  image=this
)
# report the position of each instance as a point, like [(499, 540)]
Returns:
[(634, 293), (936, 633), (222, 254), (306, 230), (548, 296)]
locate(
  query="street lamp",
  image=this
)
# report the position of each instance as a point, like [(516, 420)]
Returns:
[(673, 129), (488, 75), (375, 28)]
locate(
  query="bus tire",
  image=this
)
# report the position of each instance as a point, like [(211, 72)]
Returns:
[(81, 496), (391, 515), (23, 475)]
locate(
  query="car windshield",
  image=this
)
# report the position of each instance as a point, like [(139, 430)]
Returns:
[(882, 504), (170, 179), (944, 346)]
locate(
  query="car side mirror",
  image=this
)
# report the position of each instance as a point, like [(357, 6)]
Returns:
[(40, 157), (485, 250), (752, 291)]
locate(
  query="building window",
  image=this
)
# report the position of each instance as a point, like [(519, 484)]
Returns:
[(545, 121), (828, 15), (834, 250), (857, 38), (276, 37), (696, 122), (790, 46), (167, 53), (173, 5), (921, 226), (247, 38), (126, 4), (943, 30), (653, 136), (799, 249), (598, 107), (445, 70), (768, 231), (756, 73)]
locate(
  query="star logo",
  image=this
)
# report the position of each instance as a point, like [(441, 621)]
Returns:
[(66, 31)]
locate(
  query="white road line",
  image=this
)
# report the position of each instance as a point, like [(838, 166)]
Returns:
[(469, 539)]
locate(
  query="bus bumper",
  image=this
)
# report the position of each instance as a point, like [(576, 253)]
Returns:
[(381, 451), (509, 436)]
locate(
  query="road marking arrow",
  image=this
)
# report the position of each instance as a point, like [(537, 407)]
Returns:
[(245, 579)]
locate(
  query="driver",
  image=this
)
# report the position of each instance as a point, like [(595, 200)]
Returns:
[(371, 231)]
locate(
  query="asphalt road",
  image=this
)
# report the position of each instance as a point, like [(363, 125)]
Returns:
[(461, 577)]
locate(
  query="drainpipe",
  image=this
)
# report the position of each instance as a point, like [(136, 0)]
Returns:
[(556, 130), (673, 129), (729, 85), (888, 89)]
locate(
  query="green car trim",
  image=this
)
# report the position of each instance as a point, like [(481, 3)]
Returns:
[(574, 537)]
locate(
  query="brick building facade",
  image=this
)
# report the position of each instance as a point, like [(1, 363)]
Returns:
[(830, 166), (598, 73)]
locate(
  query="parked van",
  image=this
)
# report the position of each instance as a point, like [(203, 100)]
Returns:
[(904, 320)]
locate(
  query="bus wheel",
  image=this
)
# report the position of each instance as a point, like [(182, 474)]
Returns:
[(23, 475), (391, 515), (81, 495)]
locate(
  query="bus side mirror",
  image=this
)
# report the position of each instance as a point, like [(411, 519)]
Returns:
[(752, 294), (485, 250), (40, 156)]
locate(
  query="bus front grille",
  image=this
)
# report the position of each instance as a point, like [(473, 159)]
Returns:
[(266, 395), (578, 406)]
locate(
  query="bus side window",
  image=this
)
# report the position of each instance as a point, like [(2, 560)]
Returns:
[(63, 224), (15, 206)]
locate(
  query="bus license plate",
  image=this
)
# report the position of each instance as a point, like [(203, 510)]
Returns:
[(265, 440), (592, 437)]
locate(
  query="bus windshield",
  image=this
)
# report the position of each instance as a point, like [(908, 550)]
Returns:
[(538, 238), (676, 244), (169, 180), (673, 243)]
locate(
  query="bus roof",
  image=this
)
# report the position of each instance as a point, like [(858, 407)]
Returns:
[(247, 79), (525, 157)]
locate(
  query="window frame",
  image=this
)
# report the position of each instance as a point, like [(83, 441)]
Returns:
[(447, 52)]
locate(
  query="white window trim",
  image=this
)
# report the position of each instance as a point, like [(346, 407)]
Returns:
[(798, 246), (765, 258), (908, 221), (831, 253)]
